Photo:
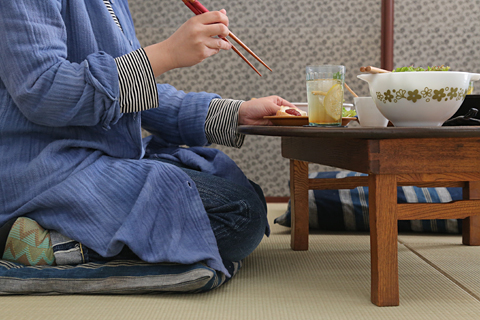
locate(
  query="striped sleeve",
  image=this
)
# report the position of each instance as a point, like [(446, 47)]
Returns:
[(138, 89), (222, 122)]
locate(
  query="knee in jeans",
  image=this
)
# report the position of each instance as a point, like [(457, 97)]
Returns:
[(239, 234)]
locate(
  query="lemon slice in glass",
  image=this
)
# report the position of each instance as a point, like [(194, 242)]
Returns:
[(470, 88), (333, 102)]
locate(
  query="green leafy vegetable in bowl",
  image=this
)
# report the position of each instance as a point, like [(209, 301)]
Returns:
[(348, 113), (413, 69)]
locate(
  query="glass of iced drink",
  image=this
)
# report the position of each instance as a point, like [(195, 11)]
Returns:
[(325, 95)]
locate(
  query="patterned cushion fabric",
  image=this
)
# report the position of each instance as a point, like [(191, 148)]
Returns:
[(347, 209), (29, 244), (27, 267), (113, 277)]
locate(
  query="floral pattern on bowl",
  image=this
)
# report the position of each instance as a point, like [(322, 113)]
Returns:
[(447, 93)]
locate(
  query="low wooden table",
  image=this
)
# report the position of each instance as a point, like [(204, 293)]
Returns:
[(423, 157)]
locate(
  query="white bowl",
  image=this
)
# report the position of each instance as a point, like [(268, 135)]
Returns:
[(419, 99), (368, 113)]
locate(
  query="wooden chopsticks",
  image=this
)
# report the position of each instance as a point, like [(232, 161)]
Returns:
[(371, 69), (198, 8), (350, 90)]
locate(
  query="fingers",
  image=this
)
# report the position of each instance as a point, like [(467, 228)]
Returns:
[(289, 104), (283, 102), (218, 44), (214, 17), (215, 25), (279, 101), (217, 30)]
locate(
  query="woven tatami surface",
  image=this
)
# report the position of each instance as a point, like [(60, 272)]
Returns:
[(439, 279)]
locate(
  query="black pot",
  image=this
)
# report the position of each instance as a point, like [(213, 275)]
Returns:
[(468, 114)]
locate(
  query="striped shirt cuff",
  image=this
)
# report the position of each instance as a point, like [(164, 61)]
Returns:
[(138, 89), (222, 122)]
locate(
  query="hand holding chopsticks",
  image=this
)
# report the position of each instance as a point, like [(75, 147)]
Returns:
[(197, 8)]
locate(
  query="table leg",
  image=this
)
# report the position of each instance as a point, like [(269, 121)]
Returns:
[(299, 204), (383, 239), (471, 225)]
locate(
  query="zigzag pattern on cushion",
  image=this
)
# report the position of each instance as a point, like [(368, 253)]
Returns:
[(29, 244)]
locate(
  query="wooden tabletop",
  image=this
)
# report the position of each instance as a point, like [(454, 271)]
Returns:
[(363, 132)]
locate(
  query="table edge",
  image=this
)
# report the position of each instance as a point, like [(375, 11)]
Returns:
[(363, 132)]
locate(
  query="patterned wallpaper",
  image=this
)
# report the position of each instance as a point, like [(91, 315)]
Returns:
[(289, 34)]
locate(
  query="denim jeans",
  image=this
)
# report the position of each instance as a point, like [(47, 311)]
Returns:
[(238, 216)]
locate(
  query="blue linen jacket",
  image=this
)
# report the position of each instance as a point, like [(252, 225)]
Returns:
[(70, 160)]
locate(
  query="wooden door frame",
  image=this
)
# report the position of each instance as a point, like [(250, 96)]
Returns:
[(387, 34)]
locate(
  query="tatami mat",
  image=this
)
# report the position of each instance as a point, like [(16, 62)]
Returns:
[(439, 279), (450, 257)]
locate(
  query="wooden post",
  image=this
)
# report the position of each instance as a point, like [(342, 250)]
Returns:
[(387, 35)]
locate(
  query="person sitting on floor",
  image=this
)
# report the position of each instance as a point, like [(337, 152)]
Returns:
[(76, 89)]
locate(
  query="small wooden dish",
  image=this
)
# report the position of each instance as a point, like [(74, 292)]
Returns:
[(288, 121), (346, 120), (299, 121)]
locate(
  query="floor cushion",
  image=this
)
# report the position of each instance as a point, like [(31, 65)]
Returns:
[(28, 267), (347, 209), (113, 277)]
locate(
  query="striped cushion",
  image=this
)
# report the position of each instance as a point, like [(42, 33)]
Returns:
[(347, 210), (113, 277), (27, 268)]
